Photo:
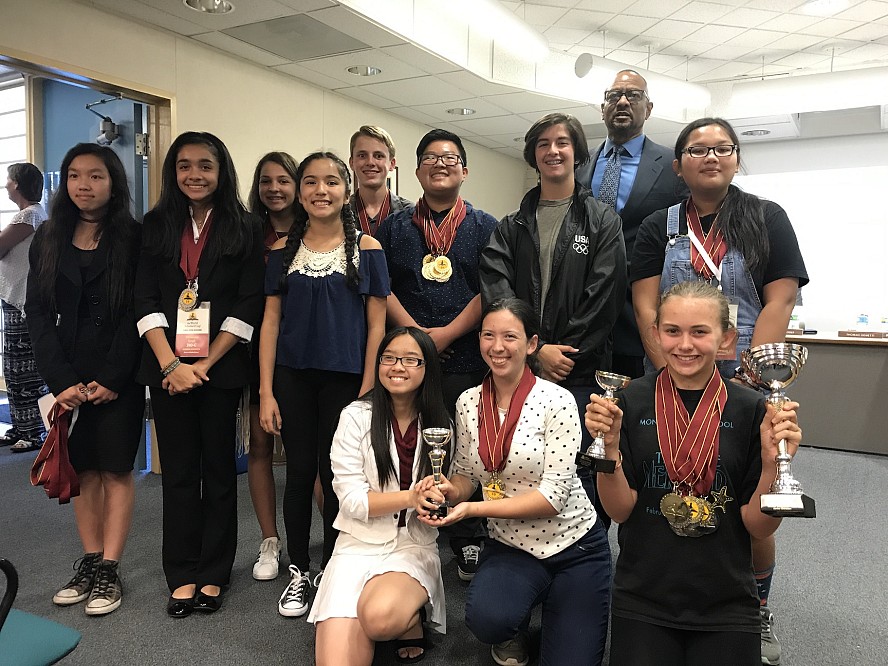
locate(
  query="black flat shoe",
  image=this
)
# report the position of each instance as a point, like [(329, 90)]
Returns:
[(205, 603), (180, 607)]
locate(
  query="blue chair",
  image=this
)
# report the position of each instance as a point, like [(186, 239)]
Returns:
[(29, 640)]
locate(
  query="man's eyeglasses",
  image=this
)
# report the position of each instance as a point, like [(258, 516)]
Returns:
[(406, 361), (700, 152), (632, 96), (447, 159)]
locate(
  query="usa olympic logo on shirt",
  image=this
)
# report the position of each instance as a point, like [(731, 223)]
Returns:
[(581, 244)]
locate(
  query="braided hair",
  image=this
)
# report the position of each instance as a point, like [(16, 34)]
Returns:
[(300, 224)]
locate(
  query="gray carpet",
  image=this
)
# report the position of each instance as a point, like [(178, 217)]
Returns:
[(830, 594)]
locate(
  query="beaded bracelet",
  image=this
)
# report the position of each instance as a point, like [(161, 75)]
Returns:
[(175, 363)]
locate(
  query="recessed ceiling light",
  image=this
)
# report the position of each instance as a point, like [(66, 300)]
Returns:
[(210, 6), (364, 70), (460, 111), (756, 132)]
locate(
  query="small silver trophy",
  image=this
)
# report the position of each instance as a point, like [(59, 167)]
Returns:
[(437, 439), (594, 457), (774, 367)]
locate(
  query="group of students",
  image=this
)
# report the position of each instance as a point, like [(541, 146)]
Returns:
[(495, 331)]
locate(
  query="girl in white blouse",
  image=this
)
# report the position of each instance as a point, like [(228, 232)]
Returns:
[(385, 570), (518, 435)]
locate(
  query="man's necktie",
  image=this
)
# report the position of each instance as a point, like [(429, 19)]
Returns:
[(610, 182)]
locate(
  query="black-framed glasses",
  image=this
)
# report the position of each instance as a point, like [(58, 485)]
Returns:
[(406, 361), (447, 159), (633, 96), (699, 152)]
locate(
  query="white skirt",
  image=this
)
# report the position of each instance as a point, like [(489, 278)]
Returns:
[(354, 562)]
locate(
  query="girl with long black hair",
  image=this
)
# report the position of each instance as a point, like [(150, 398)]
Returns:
[(80, 317), (385, 566), (201, 251), (326, 288)]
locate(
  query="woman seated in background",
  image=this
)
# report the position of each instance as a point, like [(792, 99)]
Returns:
[(694, 455), (518, 435), (385, 570), (80, 316)]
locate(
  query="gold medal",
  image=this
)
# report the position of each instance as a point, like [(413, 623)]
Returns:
[(187, 299), (699, 510), (427, 259), (674, 509), (494, 488), (436, 269)]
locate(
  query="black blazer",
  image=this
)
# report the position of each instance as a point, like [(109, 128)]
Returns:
[(232, 285), (54, 334), (656, 186)]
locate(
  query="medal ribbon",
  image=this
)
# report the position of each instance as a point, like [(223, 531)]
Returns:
[(690, 444), (191, 250), (364, 218), (439, 239), (495, 438), (713, 243)]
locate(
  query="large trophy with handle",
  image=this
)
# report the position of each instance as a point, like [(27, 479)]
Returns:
[(594, 457), (437, 439), (774, 367)]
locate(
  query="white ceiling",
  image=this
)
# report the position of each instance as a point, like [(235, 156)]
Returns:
[(703, 42)]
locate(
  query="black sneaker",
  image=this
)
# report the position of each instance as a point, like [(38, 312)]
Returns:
[(107, 590), (467, 561), (80, 586)]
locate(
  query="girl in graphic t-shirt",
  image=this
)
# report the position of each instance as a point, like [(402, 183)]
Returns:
[(694, 454)]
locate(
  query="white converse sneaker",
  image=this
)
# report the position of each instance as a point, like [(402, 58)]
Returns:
[(266, 567), (294, 600)]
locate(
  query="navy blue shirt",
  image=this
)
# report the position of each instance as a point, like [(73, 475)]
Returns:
[(433, 304), (323, 324)]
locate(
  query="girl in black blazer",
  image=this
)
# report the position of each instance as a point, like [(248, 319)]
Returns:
[(200, 246), (80, 317)]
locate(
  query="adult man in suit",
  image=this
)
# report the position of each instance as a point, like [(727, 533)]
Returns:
[(645, 183)]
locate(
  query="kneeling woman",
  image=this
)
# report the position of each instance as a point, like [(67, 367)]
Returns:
[(519, 435), (695, 454), (385, 568)]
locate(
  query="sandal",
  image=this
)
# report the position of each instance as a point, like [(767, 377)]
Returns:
[(418, 643), (11, 437), (25, 445)]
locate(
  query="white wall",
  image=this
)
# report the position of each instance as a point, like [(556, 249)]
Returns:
[(251, 108), (835, 191)]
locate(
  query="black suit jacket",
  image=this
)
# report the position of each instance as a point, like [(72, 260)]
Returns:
[(232, 285), (54, 334), (656, 186)]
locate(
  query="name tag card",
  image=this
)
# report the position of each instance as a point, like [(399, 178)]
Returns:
[(193, 332)]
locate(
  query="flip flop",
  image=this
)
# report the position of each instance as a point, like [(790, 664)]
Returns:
[(25, 445), (11, 437)]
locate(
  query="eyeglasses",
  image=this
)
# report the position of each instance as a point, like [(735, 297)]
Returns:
[(447, 159), (700, 152), (406, 361), (632, 96)]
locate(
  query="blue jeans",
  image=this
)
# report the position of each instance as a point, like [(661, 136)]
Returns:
[(573, 586)]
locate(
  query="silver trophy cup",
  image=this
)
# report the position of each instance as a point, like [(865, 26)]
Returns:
[(594, 457), (773, 367), (437, 439)]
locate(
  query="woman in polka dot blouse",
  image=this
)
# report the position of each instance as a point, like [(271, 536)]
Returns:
[(518, 435)]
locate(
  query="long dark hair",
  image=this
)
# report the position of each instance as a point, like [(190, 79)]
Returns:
[(300, 224), (429, 402), (741, 218), (232, 233), (115, 228), (528, 318), (283, 160)]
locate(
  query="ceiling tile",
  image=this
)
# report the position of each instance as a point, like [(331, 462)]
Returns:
[(635, 58), (415, 116), (527, 102), (628, 25), (488, 142), (747, 18), (655, 8), (307, 5), (756, 39), (316, 78), (362, 95), (225, 43), (802, 59), (790, 23), (831, 27), (247, 12), (775, 5), (701, 12), (296, 37), (337, 67), (686, 47), (616, 6), (356, 26), (474, 84), (867, 52), (151, 15), (716, 34), (421, 90), (867, 33), (539, 15), (419, 58), (566, 35), (691, 69), (869, 10), (728, 71), (482, 126), (556, 3), (795, 42), (483, 109), (584, 20), (669, 29)]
